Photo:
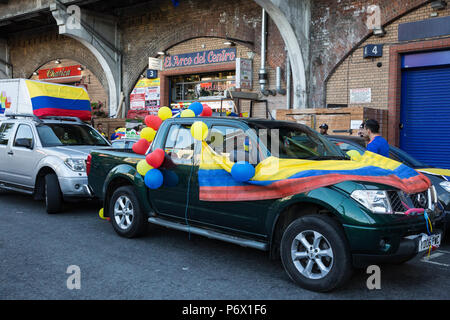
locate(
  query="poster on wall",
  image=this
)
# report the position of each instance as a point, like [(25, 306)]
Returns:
[(146, 96), (244, 73), (362, 95)]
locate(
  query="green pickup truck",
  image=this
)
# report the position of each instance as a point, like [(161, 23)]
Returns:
[(320, 235)]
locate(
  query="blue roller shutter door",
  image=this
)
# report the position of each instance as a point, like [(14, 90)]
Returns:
[(425, 115)]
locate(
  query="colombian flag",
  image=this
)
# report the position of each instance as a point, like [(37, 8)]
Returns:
[(277, 178), (57, 100)]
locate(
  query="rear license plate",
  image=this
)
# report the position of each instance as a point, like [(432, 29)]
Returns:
[(427, 241)]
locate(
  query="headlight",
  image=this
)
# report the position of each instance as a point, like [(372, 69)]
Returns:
[(78, 165), (445, 185), (375, 201)]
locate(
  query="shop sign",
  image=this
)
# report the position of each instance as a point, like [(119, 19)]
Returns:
[(363, 95), (244, 73), (63, 72), (200, 58), (155, 63)]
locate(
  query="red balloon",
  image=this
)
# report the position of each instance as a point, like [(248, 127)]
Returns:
[(141, 146), (207, 112), (153, 122), (156, 158)]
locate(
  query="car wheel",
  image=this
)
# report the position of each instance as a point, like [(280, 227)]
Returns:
[(315, 253), (126, 215), (53, 196)]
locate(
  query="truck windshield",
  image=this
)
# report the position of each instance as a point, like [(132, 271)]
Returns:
[(64, 134), (296, 142)]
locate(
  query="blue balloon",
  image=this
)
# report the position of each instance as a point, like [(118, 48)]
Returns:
[(153, 179), (242, 171), (170, 178), (197, 107)]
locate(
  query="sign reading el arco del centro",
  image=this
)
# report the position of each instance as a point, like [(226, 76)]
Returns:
[(200, 58)]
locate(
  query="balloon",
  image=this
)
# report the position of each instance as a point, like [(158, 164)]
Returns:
[(156, 158), (143, 167), (187, 113), (102, 215), (199, 130), (197, 107), (141, 146), (164, 113), (148, 134), (354, 155), (207, 112), (170, 178), (154, 179), (242, 171), (153, 122)]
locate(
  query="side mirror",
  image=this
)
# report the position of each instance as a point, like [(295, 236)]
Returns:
[(24, 143)]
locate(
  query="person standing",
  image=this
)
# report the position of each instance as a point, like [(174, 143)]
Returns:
[(377, 144), (324, 129), (100, 129)]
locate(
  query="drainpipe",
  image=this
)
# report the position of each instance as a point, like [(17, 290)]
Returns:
[(288, 82), (279, 89), (262, 71)]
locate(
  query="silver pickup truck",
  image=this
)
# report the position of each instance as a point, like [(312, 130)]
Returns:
[(46, 157)]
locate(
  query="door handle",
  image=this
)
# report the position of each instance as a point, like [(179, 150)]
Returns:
[(10, 153)]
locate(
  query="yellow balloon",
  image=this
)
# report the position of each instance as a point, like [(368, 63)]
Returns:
[(199, 130), (101, 215), (164, 113), (188, 113), (143, 167), (354, 155), (148, 134)]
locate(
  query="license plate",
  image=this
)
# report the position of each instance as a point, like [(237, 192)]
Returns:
[(427, 241)]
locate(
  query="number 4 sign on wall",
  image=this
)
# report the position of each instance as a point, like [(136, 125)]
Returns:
[(373, 50)]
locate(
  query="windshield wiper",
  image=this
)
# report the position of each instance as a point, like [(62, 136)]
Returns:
[(328, 158)]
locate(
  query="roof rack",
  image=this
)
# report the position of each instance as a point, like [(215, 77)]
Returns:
[(35, 118), (76, 119)]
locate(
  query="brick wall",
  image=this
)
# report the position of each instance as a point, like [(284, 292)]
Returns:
[(29, 52), (336, 28), (356, 72), (186, 27)]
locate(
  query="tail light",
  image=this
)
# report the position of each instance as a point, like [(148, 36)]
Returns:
[(88, 164)]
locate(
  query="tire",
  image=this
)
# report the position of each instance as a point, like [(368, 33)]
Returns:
[(127, 217), (335, 267), (53, 196)]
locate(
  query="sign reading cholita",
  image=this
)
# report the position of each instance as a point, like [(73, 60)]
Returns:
[(58, 73), (200, 58)]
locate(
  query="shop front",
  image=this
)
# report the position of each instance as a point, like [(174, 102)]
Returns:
[(205, 75)]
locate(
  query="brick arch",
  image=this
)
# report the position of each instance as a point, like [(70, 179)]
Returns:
[(338, 30), (136, 62), (173, 45), (51, 47)]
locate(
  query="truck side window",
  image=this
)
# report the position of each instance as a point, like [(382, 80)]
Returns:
[(5, 133), (180, 144), (24, 132), (232, 142)]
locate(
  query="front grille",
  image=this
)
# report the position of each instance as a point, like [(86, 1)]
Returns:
[(401, 202), (396, 202), (420, 200)]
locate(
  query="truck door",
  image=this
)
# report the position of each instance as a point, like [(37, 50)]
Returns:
[(171, 198), (243, 216), (6, 130), (21, 157)]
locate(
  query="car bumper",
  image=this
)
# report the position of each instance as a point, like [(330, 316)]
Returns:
[(75, 187), (407, 249)]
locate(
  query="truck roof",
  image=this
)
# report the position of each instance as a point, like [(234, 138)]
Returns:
[(255, 121)]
